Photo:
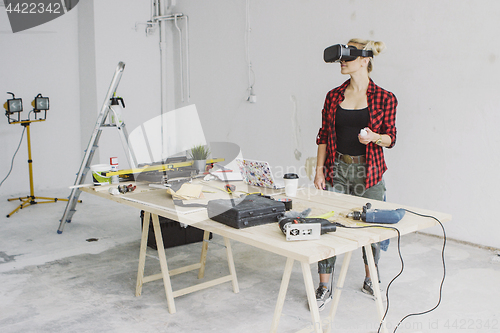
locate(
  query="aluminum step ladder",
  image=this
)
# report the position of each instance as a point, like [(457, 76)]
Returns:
[(102, 123)]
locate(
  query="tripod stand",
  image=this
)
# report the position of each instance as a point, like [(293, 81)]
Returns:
[(30, 199)]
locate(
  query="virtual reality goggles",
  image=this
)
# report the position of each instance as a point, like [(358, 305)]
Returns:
[(341, 52)]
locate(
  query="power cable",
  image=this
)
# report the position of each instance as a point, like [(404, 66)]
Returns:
[(444, 272), (13, 157), (402, 268)]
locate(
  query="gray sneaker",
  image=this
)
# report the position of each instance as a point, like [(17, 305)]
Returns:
[(368, 287), (323, 296)]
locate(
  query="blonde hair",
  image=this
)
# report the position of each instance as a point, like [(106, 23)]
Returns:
[(375, 47)]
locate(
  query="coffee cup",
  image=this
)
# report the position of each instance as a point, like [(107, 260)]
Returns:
[(291, 184)]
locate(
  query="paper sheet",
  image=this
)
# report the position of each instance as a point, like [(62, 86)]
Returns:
[(187, 192)]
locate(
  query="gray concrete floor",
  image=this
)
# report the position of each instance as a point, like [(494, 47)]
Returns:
[(53, 282)]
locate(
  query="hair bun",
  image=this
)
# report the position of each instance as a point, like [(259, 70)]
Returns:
[(376, 47)]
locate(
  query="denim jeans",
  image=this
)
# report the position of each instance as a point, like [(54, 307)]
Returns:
[(351, 179)]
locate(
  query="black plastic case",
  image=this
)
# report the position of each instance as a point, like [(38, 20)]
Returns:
[(245, 212), (173, 234)]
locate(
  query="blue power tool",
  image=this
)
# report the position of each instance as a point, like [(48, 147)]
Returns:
[(384, 216)]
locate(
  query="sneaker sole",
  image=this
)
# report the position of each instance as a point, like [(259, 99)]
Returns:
[(322, 306)]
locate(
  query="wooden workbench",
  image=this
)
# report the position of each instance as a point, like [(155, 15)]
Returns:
[(156, 202)]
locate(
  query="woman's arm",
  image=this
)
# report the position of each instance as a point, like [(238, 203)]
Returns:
[(383, 140), (319, 178)]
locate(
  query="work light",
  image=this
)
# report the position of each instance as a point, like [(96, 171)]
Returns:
[(13, 105), (40, 103)]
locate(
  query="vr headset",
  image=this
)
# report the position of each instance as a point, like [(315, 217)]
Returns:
[(341, 52)]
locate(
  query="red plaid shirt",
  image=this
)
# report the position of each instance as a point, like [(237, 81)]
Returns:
[(382, 109)]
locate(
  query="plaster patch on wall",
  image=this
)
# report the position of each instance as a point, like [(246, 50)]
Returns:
[(296, 129), (311, 167)]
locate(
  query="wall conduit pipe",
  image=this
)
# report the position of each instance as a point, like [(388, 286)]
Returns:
[(160, 19)]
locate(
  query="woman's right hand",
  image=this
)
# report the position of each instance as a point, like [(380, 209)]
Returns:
[(319, 180)]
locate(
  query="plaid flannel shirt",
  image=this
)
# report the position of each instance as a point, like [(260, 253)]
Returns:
[(382, 110)]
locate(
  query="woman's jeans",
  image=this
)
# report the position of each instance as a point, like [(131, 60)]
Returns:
[(350, 179)]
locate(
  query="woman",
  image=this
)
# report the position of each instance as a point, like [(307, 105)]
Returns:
[(349, 160)]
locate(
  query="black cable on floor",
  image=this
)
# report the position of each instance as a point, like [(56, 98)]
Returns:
[(402, 267), (444, 272), (400, 258)]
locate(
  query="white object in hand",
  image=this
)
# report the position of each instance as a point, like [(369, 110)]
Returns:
[(363, 132)]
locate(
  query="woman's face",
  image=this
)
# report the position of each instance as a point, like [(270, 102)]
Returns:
[(350, 67)]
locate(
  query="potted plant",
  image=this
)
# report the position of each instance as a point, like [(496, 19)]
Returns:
[(199, 155)]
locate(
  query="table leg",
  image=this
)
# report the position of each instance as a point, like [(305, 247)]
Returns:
[(230, 262), (203, 259), (338, 290), (282, 294), (163, 264), (142, 253), (375, 284), (311, 297)]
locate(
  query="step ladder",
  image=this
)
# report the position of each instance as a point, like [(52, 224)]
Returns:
[(102, 123)]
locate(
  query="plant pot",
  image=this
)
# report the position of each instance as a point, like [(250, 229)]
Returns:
[(200, 165)]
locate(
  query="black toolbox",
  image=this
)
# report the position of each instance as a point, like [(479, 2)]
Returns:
[(173, 233), (245, 212)]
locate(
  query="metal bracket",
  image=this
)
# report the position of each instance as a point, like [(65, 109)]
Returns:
[(305, 231)]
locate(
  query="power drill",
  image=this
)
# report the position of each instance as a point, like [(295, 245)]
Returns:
[(384, 216), (303, 228)]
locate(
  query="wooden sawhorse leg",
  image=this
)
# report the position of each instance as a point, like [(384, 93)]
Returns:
[(203, 259), (338, 290), (166, 273), (316, 320), (142, 253), (375, 285), (163, 261), (311, 296), (340, 285), (282, 294)]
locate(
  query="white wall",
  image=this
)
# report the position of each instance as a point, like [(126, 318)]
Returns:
[(442, 63), (43, 60)]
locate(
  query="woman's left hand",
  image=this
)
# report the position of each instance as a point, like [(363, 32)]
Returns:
[(369, 137)]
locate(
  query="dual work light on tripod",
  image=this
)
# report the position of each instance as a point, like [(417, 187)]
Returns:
[(15, 105)]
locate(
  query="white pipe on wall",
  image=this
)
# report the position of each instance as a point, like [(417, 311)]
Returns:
[(180, 55), (162, 7), (159, 10)]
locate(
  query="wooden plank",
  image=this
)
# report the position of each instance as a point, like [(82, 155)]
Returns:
[(338, 290), (142, 256), (163, 264), (230, 262), (203, 285), (269, 237), (153, 277), (311, 297), (282, 294), (184, 269), (376, 287), (172, 272), (203, 258)]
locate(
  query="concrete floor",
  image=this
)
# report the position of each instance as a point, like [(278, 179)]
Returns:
[(53, 282)]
